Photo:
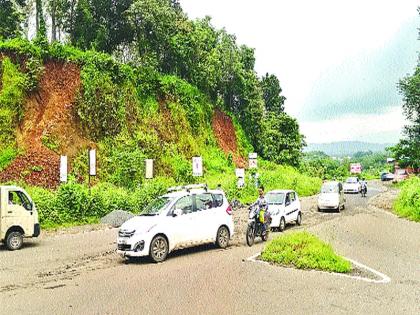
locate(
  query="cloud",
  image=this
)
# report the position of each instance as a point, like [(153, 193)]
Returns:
[(366, 83), (378, 128)]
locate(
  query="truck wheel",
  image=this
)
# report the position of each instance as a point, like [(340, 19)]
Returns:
[(299, 219), (222, 239), (14, 240), (159, 249)]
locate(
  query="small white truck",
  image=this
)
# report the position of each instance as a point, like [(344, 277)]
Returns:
[(18, 217)]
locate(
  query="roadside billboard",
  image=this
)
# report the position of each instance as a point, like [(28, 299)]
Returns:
[(355, 168)]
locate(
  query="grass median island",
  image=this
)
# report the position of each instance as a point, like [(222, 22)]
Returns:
[(304, 251), (407, 204)]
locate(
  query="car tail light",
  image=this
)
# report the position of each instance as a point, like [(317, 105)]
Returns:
[(229, 210)]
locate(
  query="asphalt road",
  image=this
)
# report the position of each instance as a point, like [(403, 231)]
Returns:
[(81, 274)]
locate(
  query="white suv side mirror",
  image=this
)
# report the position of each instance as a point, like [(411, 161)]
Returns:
[(177, 212)]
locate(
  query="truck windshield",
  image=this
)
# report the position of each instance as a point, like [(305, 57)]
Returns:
[(156, 206), (275, 198)]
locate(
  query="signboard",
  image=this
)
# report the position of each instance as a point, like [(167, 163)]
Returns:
[(63, 168), (92, 162), (197, 166), (149, 168), (253, 155), (240, 172), (253, 160), (355, 168)]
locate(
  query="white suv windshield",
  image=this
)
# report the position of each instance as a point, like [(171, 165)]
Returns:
[(157, 206), (275, 198)]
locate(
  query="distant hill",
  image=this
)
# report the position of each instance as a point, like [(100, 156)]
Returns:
[(346, 148)]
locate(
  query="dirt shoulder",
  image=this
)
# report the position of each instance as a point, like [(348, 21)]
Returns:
[(385, 200)]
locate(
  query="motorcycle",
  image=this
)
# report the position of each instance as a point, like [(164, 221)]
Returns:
[(363, 191), (255, 227)]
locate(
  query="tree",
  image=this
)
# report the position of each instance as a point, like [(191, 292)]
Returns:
[(155, 23), (273, 99), (11, 17), (281, 140), (407, 152), (99, 24)]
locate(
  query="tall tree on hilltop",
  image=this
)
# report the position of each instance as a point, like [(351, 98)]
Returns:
[(273, 99)]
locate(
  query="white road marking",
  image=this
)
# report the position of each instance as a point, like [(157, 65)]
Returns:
[(384, 278)]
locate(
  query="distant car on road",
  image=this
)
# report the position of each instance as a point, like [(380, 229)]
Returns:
[(284, 207), (331, 196), (184, 217), (352, 185), (386, 176)]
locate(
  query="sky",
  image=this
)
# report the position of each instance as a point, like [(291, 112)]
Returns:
[(338, 61)]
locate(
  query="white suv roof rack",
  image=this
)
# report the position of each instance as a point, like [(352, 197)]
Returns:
[(187, 187)]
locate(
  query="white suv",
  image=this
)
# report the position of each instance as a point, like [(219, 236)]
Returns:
[(184, 217)]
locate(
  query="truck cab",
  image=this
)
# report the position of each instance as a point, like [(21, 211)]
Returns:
[(18, 217)]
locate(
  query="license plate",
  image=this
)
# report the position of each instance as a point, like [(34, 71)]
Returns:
[(122, 241)]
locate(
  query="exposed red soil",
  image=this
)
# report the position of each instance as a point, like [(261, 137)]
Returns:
[(40, 168), (224, 130), (49, 112)]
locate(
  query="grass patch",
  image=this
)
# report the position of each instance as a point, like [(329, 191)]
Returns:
[(304, 251), (7, 156), (407, 204)]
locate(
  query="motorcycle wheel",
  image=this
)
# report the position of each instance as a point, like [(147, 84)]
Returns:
[(250, 235), (264, 236)]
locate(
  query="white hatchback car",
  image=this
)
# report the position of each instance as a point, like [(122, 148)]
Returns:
[(352, 185), (331, 196), (284, 207), (184, 217)]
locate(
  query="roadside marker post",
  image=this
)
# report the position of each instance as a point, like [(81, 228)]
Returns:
[(63, 168), (92, 165), (197, 165), (149, 168)]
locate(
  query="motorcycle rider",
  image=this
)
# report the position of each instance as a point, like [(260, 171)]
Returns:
[(364, 186), (262, 205)]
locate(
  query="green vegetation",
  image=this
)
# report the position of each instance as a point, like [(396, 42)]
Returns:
[(7, 155), (151, 81), (321, 165), (407, 150), (407, 204), (74, 203), (304, 251)]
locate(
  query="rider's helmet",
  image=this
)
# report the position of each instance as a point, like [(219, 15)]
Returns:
[(264, 204)]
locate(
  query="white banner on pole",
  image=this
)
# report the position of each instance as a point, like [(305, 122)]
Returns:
[(63, 168), (197, 166), (149, 168), (240, 172), (252, 159), (92, 162)]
